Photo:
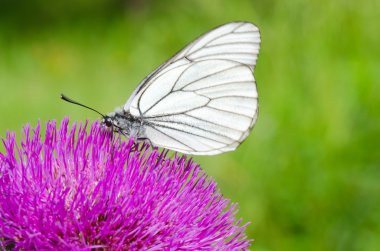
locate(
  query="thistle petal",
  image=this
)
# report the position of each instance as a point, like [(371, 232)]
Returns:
[(81, 188)]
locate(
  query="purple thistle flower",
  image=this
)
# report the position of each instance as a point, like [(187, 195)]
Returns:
[(75, 190)]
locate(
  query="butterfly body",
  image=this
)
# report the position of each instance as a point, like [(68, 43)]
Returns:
[(124, 123), (201, 101)]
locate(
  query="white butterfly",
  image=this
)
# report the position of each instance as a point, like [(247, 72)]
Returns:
[(201, 101)]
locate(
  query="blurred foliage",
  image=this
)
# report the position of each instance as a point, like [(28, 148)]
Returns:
[(308, 176)]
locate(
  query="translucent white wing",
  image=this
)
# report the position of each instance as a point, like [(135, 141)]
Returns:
[(237, 41), (204, 99)]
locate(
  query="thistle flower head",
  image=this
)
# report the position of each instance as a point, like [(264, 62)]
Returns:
[(79, 189)]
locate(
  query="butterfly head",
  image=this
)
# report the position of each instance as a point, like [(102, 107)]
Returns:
[(107, 121), (119, 121), (111, 120)]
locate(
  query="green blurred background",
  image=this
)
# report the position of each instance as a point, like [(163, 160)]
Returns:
[(308, 176)]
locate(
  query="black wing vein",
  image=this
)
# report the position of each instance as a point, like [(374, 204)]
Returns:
[(155, 128), (193, 126), (190, 133), (209, 75)]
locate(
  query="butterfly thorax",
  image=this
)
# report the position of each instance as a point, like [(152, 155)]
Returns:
[(125, 123)]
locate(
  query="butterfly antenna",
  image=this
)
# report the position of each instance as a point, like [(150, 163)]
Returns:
[(77, 103)]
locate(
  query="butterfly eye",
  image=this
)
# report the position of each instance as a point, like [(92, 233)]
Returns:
[(107, 121)]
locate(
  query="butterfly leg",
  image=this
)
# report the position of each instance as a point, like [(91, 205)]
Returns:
[(136, 144), (146, 140)]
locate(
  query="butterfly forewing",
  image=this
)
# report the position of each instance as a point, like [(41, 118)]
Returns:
[(204, 99), (238, 41)]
